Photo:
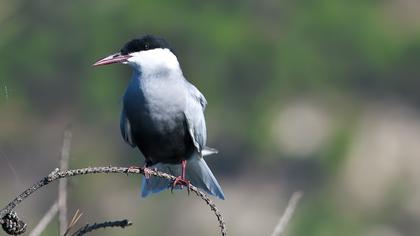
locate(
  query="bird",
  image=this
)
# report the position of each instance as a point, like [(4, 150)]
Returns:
[(163, 116)]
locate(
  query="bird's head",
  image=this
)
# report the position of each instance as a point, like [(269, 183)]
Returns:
[(145, 53)]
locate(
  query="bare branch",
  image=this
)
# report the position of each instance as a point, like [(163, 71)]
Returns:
[(212, 205), (62, 185), (107, 224), (287, 215), (51, 213), (57, 174)]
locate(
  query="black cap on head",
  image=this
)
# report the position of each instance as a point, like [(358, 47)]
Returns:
[(144, 43)]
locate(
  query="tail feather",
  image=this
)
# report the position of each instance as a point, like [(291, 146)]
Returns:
[(207, 151), (197, 172)]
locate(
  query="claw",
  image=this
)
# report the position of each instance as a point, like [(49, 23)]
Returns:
[(182, 182), (147, 173)]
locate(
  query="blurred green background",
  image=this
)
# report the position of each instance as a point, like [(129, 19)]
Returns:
[(320, 96)]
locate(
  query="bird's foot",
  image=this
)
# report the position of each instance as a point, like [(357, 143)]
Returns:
[(182, 182), (148, 172)]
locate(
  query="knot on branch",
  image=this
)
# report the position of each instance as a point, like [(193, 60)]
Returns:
[(12, 224)]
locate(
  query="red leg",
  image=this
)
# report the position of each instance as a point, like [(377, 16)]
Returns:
[(184, 167), (180, 180)]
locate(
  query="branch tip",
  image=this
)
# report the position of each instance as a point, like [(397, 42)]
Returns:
[(12, 225)]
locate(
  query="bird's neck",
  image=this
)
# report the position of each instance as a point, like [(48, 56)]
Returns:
[(146, 78), (161, 71)]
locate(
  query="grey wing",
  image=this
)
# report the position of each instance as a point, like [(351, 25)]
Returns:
[(125, 128), (194, 113)]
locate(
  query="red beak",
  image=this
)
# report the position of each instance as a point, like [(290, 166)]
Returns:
[(115, 58)]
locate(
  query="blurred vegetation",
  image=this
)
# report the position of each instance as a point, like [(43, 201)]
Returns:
[(261, 65)]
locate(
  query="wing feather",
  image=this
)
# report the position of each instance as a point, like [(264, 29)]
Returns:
[(125, 128), (194, 113)]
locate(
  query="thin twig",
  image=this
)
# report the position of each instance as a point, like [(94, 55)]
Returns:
[(46, 219), (57, 174), (74, 220), (107, 224), (287, 215), (62, 185)]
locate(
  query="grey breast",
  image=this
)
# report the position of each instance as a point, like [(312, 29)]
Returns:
[(154, 108)]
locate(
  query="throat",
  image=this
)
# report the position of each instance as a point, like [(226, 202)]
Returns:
[(158, 71)]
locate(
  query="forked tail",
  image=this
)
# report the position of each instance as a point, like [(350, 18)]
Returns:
[(197, 172)]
